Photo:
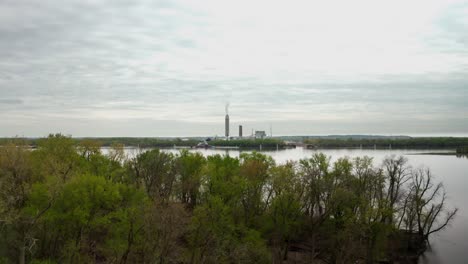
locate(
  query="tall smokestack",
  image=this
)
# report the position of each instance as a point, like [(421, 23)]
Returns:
[(240, 131), (226, 121)]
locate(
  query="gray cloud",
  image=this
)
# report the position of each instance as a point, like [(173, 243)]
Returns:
[(167, 68), (10, 101)]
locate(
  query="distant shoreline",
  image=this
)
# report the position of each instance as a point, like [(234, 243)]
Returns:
[(309, 142)]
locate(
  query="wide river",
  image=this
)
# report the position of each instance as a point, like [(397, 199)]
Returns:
[(449, 245)]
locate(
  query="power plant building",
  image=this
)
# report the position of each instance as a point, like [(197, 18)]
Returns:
[(260, 134)]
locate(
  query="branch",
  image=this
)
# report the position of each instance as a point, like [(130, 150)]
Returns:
[(449, 218)]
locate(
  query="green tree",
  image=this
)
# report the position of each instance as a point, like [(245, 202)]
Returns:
[(215, 238), (56, 156), (255, 170), (91, 217), (284, 219), (156, 170), (313, 172), (190, 168)]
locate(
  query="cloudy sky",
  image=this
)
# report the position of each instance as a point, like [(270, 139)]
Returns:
[(167, 68)]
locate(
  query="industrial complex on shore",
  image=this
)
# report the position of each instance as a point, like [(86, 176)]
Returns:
[(257, 134)]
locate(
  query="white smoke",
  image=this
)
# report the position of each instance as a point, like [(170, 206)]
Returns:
[(227, 108)]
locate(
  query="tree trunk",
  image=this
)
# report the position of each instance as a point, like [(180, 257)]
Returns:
[(22, 254), (285, 256)]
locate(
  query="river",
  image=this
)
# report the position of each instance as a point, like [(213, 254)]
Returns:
[(449, 245)]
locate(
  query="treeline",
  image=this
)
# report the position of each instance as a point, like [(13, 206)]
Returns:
[(146, 142), (319, 142), (270, 143), (169, 142), (463, 151), (126, 141), (400, 143), (166, 142), (24, 141), (68, 203)]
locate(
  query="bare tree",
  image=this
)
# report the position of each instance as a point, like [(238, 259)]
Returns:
[(117, 153), (397, 171), (425, 209)]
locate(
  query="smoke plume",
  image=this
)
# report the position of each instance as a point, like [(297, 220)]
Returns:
[(227, 108)]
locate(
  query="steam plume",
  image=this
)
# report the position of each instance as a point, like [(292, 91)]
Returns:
[(227, 108)]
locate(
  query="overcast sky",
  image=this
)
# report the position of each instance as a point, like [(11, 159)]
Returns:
[(167, 68)]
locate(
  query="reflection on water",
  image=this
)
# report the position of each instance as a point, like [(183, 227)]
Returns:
[(449, 246)]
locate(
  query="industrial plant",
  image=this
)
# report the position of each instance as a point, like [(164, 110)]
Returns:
[(255, 134)]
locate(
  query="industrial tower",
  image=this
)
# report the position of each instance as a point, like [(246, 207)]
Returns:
[(226, 122)]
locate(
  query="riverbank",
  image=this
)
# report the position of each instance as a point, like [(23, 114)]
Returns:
[(247, 143), (458, 145), (450, 143)]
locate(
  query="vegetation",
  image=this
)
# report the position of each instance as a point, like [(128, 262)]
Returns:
[(381, 142), (166, 142), (148, 142), (250, 143), (398, 143), (68, 203), (462, 151)]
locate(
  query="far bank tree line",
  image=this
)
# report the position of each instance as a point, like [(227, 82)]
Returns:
[(68, 203), (385, 143), (248, 143), (458, 143), (462, 151)]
